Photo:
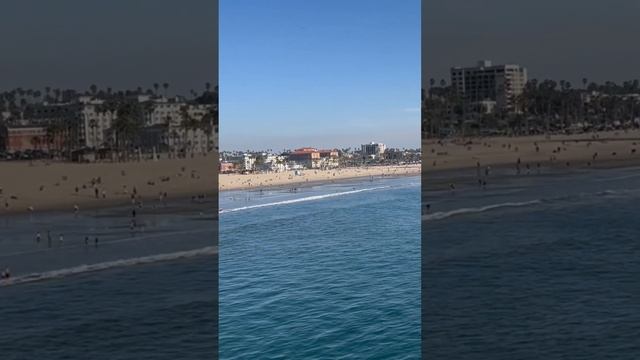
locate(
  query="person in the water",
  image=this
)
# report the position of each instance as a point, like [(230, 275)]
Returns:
[(5, 274)]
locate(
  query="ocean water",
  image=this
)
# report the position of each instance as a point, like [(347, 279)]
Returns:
[(150, 293), (326, 272), (534, 267)]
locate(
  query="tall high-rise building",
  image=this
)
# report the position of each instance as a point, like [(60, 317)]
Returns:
[(488, 82), (373, 149)]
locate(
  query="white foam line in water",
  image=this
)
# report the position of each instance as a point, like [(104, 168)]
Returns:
[(463, 211), (622, 177), (81, 269), (304, 199), (110, 242)]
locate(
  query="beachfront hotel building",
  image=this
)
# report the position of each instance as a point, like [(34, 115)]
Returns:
[(312, 158), (307, 157), (372, 150), (25, 137), (487, 82)]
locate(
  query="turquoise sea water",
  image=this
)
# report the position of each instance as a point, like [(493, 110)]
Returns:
[(326, 272)]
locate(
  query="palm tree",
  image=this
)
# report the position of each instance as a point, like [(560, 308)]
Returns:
[(93, 125), (126, 125), (165, 86)]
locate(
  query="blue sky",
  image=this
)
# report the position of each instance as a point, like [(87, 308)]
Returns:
[(330, 73)]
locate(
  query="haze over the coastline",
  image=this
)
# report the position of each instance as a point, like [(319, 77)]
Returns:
[(325, 74), (118, 43), (560, 40)]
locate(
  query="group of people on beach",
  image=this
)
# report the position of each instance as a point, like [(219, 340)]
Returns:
[(60, 239)]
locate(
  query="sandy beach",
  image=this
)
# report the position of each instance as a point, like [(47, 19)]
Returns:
[(289, 178), (40, 185), (611, 148)]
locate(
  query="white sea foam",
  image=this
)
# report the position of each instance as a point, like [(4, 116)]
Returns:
[(464, 211), (304, 199), (81, 269), (622, 177)]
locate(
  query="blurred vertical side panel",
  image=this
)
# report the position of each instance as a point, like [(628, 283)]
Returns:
[(109, 180)]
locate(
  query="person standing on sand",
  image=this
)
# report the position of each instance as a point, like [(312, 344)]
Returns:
[(95, 241), (38, 237), (48, 238), (86, 240), (97, 192)]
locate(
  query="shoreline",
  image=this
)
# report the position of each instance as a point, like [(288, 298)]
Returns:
[(467, 176), (276, 180)]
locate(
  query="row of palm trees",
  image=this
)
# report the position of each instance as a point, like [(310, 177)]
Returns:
[(542, 107), (15, 101), (130, 116)]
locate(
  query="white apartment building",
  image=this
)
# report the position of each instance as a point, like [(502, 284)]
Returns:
[(499, 83), (94, 123), (164, 112)]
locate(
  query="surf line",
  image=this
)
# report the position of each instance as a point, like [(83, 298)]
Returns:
[(304, 199), (463, 211), (53, 274), (109, 242)]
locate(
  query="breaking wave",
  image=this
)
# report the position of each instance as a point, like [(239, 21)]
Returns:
[(81, 269), (304, 199)]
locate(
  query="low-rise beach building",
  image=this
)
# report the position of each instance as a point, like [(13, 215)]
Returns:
[(25, 137)]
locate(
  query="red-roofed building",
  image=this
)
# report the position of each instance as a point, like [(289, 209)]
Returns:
[(307, 157)]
